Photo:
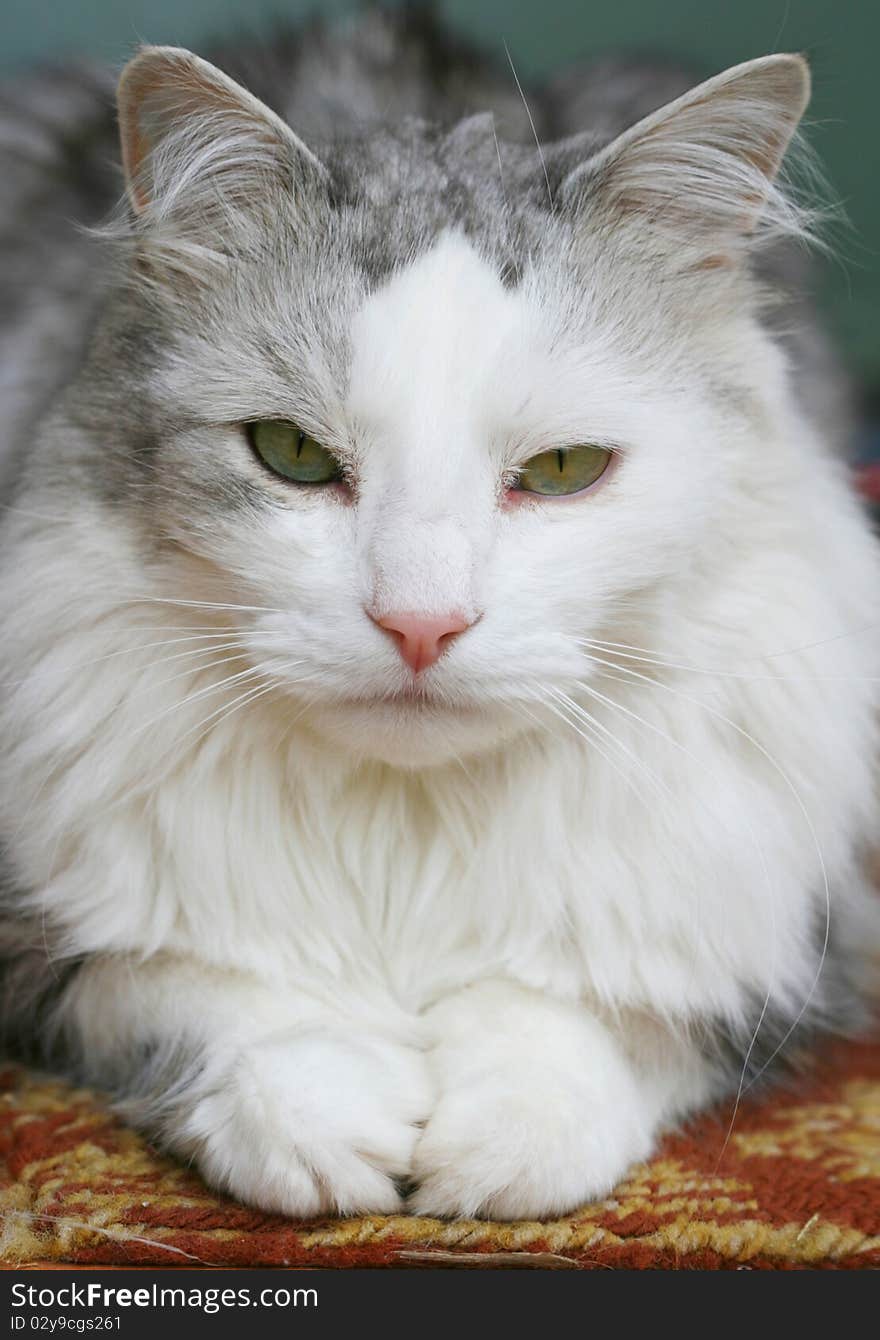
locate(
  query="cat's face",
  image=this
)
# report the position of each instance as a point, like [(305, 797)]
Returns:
[(453, 382), (432, 387)]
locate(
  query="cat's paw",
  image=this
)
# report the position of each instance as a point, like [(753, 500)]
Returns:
[(311, 1124), (525, 1146)]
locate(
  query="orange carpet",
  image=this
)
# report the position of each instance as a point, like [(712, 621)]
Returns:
[(798, 1185)]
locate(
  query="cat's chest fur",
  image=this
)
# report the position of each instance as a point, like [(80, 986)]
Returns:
[(585, 873)]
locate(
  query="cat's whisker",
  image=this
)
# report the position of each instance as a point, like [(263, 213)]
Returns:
[(541, 157), (171, 757), (742, 1086), (768, 995), (227, 710), (285, 735), (203, 604), (273, 683), (615, 705), (750, 739), (257, 671), (585, 731), (129, 651), (619, 649), (766, 655), (664, 790), (194, 697), (498, 156), (192, 671), (665, 793), (590, 721), (581, 712)]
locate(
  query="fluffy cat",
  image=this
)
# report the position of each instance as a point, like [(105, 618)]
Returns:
[(440, 656)]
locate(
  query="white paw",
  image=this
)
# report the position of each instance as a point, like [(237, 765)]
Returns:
[(527, 1144), (311, 1124)]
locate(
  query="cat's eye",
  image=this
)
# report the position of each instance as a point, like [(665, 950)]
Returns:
[(566, 470), (290, 452)]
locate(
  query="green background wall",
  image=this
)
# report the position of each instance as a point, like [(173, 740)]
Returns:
[(842, 38)]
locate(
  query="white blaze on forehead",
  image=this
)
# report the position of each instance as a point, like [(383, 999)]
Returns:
[(429, 351)]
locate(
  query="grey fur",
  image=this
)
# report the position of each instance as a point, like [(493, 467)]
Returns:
[(35, 973)]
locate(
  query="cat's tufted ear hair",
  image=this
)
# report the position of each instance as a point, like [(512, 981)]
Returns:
[(700, 172), (200, 150)]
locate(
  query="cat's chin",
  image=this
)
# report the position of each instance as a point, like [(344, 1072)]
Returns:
[(413, 734)]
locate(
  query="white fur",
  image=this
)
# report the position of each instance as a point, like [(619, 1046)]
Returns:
[(476, 910)]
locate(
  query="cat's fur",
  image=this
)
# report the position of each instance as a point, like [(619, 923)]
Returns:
[(320, 931)]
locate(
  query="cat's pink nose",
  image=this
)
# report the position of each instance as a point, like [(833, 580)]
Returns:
[(422, 638)]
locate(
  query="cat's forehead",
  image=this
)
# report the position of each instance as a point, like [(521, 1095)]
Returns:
[(428, 346)]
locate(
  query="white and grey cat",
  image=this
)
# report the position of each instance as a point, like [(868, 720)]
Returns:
[(440, 649)]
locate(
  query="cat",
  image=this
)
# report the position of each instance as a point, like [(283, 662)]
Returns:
[(440, 656)]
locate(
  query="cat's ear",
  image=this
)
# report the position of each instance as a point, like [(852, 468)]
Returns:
[(700, 172), (200, 149)]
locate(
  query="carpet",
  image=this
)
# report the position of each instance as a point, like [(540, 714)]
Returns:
[(797, 1185)]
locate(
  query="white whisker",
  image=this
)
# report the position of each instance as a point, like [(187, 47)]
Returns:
[(194, 697), (130, 651), (744, 734), (588, 733), (203, 604), (541, 157), (718, 671), (762, 858)]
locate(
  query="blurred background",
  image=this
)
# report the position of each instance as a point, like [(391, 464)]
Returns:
[(841, 37)]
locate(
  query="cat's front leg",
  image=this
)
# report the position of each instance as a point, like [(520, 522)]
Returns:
[(540, 1105), (287, 1102)]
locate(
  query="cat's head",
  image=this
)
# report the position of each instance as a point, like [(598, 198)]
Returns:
[(430, 409)]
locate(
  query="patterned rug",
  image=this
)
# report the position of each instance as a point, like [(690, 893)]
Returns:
[(797, 1185)]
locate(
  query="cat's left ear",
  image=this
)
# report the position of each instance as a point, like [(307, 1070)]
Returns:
[(698, 175), (200, 151)]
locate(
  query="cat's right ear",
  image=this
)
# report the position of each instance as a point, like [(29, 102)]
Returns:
[(203, 155)]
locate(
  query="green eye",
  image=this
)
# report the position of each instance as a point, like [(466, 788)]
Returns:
[(290, 452), (567, 470)]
